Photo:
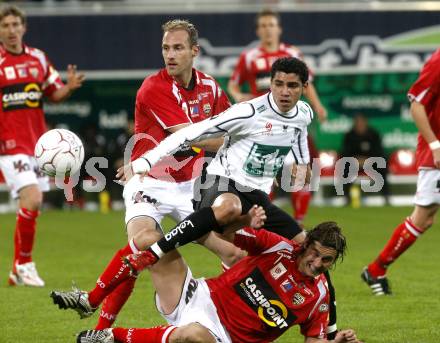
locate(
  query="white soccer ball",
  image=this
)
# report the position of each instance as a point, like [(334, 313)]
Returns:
[(59, 152)]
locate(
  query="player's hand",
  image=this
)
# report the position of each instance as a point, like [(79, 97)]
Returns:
[(74, 79), (345, 336), (124, 174), (257, 216), (436, 157)]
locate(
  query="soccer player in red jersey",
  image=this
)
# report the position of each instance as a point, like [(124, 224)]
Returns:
[(174, 97), (253, 68), (26, 76), (424, 96), (278, 285)]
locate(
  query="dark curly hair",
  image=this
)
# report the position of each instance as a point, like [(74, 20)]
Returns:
[(290, 65), (329, 235)]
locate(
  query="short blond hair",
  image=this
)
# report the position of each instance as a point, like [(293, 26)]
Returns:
[(185, 25), (6, 10)]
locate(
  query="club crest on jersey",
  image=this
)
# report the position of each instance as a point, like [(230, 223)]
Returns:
[(323, 308), (34, 72), (285, 127), (206, 109), (298, 299), (277, 271)]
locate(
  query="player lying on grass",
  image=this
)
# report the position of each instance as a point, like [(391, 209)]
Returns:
[(278, 285)]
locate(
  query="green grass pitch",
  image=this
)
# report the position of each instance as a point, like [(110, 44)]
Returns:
[(77, 245)]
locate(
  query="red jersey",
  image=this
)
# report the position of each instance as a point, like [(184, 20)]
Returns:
[(264, 294), (254, 67), (426, 90), (161, 103), (24, 79)]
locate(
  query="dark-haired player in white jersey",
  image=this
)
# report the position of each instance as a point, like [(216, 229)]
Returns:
[(279, 285), (253, 68)]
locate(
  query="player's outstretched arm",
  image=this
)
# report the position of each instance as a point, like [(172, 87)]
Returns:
[(230, 120), (420, 117), (74, 81)]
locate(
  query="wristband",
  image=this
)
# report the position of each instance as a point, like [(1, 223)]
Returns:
[(434, 145)]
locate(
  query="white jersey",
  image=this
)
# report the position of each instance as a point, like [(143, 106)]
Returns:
[(258, 136)]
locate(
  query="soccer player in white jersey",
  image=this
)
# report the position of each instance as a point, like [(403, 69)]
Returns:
[(258, 135)]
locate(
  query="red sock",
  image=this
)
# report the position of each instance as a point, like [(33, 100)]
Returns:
[(157, 334), (16, 249), (114, 302), (115, 273), (403, 237), (25, 226), (300, 203)]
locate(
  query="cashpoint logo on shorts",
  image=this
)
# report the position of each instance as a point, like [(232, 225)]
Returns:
[(21, 96)]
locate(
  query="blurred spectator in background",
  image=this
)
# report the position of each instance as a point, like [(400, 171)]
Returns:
[(425, 110), (362, 142), (26, 76), (253, 68)]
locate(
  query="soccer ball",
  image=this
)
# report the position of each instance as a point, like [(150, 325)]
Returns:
[(59, 152)]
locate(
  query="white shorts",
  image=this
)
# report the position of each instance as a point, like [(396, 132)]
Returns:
[(155, 198), (196, 306), (20, 171), (428, 187)]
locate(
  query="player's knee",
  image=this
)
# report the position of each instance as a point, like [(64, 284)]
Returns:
[(31, 199), (227, 208), (144, 238), (191, 333)]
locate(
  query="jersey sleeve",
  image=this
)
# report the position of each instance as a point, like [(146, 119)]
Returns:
[(300, 149), (222, 102), (316, 325), (240, 73), (422, 90), (257, 241), (163, 104), (52, 79)]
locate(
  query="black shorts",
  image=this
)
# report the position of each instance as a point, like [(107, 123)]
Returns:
[(208, 187)]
